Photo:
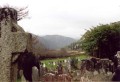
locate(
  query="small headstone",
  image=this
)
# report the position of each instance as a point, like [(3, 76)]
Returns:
[(78, 73), (41, 69), (54, 63), (44, 65), (118, 54), (65, 60), (95, 72)]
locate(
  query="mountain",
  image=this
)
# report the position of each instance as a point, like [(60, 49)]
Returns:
[(55, 41)]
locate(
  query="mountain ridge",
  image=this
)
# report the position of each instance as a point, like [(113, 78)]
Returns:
[(54, 41)]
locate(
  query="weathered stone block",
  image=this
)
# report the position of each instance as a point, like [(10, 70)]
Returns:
[(19, 42)]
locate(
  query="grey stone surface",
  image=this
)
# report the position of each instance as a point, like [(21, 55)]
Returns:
[(12, 39), (35, 75)]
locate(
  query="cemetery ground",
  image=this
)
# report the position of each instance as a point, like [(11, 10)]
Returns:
[(69, 69), (72, 67), (54, 60), (51, 64)]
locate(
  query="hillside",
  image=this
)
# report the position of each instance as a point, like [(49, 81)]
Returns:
[(57, 41), (54, 41)]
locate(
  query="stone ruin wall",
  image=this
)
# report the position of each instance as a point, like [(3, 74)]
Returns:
[(12, 39)]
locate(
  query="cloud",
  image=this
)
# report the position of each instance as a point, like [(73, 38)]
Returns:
[(66, 17)]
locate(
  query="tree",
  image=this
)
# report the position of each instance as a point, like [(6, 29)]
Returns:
[(102, 41)]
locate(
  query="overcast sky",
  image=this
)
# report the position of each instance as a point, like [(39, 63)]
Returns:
[(66, 17)]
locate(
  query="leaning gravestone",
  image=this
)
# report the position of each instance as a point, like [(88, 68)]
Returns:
[(35, 75), (12, 39)]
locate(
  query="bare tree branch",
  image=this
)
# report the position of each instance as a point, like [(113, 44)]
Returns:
[(21, 12)]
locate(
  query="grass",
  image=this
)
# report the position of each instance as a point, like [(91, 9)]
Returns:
[(49, 61), (51, 66), (82, 56)]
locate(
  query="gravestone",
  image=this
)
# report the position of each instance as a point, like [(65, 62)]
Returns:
[(41, 70), (60, 68), (35, 75), (118, 54)]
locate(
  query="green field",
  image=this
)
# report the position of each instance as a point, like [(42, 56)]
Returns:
[(49, 61)]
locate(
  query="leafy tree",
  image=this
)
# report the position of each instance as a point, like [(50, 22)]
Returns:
[(102, 41), (74, 46)]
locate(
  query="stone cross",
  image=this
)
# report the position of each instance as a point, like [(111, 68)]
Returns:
[(12, 39)]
